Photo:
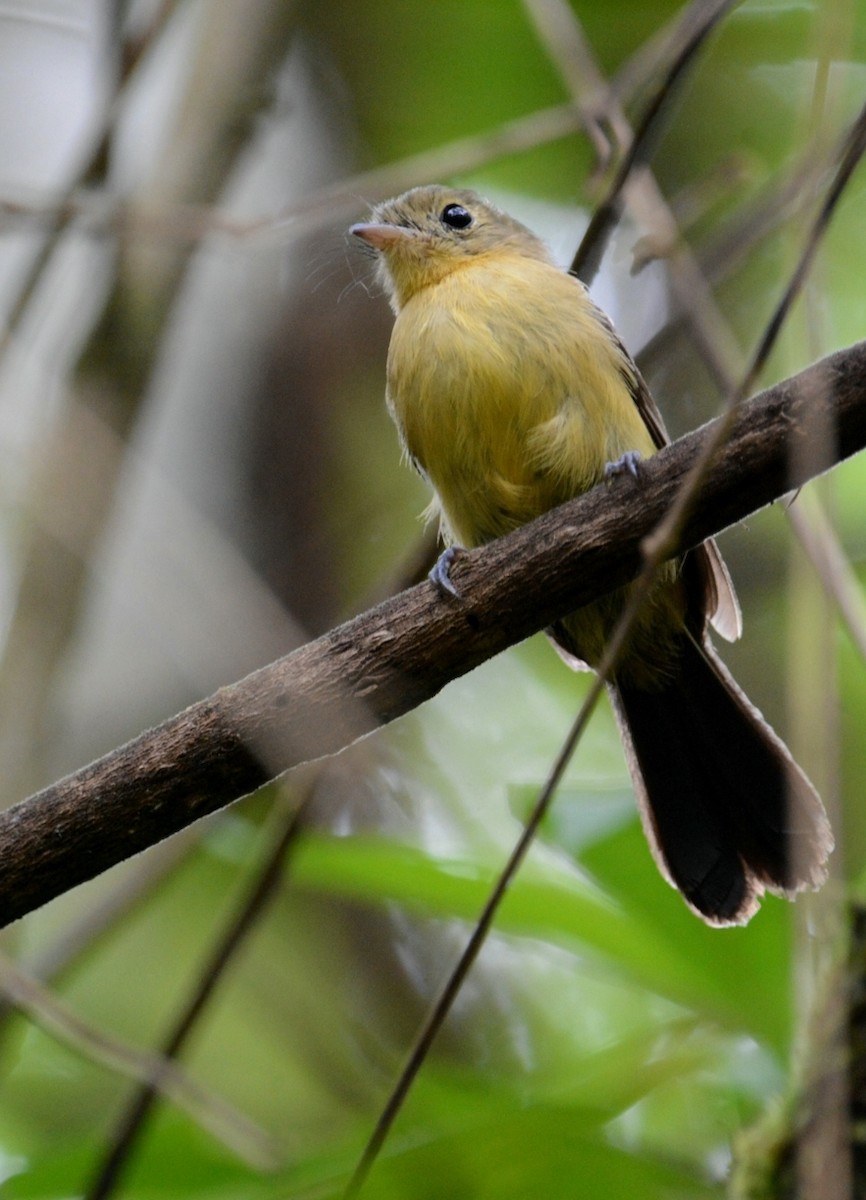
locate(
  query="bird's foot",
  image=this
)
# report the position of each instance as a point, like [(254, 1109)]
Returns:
[(627, 464), (440, 573)]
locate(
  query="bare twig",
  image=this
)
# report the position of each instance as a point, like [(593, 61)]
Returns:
[(90, 169), (563, 37), (324, 206), (85, 932), (212, 1113), (850, 154), (821, 543), (442, 1007), (702, 17), (281, 833), (213, 123)]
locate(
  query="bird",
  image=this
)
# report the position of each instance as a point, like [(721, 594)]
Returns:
[(513, 393)]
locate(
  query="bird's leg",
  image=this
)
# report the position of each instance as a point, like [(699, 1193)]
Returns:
[(440, 572), (627, 464)]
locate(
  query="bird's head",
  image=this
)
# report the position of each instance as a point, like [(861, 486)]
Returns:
[(424, 235)]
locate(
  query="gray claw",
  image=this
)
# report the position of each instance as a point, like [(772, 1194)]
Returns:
[(626, 465), (440, 573)]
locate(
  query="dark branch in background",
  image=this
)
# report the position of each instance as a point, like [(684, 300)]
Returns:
[(262, 889), (569, 49), (218, 1117), (78, 466), (664, 538), (91, 171), (700, 20), (377, 667)]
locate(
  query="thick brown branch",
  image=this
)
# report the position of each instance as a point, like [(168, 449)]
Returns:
[(383, 663)]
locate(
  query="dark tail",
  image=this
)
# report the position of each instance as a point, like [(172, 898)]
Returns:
[(727, 811)]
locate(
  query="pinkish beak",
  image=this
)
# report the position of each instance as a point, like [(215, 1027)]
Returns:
[(381, 236)]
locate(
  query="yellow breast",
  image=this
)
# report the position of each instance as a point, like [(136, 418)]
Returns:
[(509, 392)]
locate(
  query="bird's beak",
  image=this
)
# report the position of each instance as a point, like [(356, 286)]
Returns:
[(380, 237)]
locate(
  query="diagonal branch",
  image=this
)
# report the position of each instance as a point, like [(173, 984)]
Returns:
[(381, 664)]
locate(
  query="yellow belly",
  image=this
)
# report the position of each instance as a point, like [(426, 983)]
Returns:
[(511, 396)]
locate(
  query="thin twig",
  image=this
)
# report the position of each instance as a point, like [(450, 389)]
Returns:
[(192, 222), (283, 832), (853, 146), (135, 47), (442, 1007), (723, 253), (46, 1011), (657, 547), (821, 543), (92, 167), (85, 932), (563, 36), (705, 14)]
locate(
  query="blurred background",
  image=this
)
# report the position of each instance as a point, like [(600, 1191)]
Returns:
[(197, 474)]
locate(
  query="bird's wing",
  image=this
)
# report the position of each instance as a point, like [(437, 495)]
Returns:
[(719, 599)]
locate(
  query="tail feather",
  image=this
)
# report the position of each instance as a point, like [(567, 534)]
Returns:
[(727, 811)]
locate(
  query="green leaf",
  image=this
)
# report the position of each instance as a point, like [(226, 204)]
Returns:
[(655, 947)]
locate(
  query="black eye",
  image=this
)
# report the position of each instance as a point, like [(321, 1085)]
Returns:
[(455, 216)]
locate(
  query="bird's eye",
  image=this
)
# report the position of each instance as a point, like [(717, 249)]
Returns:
[(455, 216)]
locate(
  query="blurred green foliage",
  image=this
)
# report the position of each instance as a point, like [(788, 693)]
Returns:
[(607, 1044)]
